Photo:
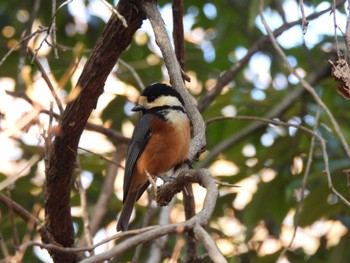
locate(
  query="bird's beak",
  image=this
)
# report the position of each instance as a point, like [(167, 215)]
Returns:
[(137, 108)]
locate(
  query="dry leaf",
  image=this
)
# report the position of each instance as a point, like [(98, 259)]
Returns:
[(341, 73)]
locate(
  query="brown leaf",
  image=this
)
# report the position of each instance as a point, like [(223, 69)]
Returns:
[(341, 73)]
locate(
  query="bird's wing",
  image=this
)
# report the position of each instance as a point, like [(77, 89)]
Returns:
[(139, 140)]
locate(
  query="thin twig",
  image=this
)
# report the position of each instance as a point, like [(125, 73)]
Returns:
[(23, 40), (133, 72), (259, 45), (304, 22), (15, 235), (347, 33), (47, 80), (101, 207), (82, 249), (339, 53), (23, 50), (115, 11), (54, 36), (226, 184), (18, 209), (102, 157), (158, 245), (303, 187), (50, 28), (273, 122), (318, 100), (145, 222), (11, 179), (305, 84), (209, 244), (204, 178)]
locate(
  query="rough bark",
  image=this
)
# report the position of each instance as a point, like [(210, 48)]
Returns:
[(113, 41)]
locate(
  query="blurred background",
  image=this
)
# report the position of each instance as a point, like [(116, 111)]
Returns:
[(281, 196)]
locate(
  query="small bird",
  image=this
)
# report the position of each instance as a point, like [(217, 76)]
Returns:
[(160, 141)]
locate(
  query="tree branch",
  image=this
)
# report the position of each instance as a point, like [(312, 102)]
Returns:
[(209, 244), (274, 112), (113, 41), (201, 176), (162, 39), (19, 210), (262, 42)]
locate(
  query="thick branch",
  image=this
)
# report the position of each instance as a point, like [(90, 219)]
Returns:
[(113, 41)]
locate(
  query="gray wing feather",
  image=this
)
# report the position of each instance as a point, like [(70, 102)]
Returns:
[(139, 140)]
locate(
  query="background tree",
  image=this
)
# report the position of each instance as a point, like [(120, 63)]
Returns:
[(276, 129)]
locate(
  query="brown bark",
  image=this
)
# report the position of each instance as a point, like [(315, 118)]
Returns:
[(113, 41)]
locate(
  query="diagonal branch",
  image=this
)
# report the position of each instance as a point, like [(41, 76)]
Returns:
[(260, 44), (274, 112), (113, 41), (162, 39)]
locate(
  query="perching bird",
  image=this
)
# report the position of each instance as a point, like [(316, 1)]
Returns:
[(159, 142)]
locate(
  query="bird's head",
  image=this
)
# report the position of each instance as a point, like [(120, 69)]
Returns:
[(157, 97)]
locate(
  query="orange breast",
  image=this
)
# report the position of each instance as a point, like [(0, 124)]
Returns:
[(167, 147)]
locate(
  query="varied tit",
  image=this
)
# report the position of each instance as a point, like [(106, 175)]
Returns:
[(159, 142)]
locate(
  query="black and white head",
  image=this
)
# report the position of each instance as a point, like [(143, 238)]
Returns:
[(163, 101)]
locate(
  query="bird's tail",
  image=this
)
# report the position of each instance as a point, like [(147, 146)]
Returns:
[(125, 214)]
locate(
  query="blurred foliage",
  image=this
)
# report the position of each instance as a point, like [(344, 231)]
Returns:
[(212, 46)]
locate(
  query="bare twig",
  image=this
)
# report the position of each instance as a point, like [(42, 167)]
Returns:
[(11, 179), (201, 176), (23, 40), (112, 135), (145, 222), (133, 72), (339, 53), (50, 28), (318, 100), (304, 22), (54, 36), (158, 245), (303, 187), (18, 209), (31, 226), (115, 11), (47, 80), (102, 157), (262, 42), (101, 207), (306, 85), (61, 249), (273, 122), (23, 50), (347, 33), (209, 244)]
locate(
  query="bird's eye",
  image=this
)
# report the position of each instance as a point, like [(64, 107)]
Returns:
[(151, 98)]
